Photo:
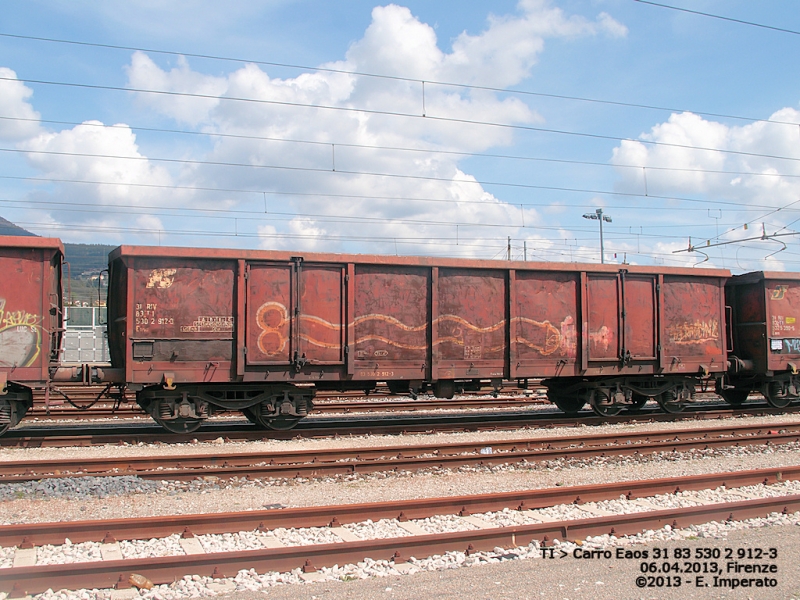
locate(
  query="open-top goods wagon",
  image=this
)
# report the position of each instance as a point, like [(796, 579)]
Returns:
[(193, 330), (765, 337), (30, 320)]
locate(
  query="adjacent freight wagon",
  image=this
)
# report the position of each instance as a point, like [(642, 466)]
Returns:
[(193, 331), (30, 320), (765, 337)]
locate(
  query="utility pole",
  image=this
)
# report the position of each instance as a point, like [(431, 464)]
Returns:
[(598, 215)]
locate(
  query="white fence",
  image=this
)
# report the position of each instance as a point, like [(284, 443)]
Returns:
[(85, 338)]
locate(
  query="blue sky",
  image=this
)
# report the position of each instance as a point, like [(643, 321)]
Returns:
[(319, 156)]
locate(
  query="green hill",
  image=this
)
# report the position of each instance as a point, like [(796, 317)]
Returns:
[(86, 261), (8, 228)]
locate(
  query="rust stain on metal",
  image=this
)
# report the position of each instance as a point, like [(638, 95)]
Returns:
[(472, 324), (161, 278), (194, 300)]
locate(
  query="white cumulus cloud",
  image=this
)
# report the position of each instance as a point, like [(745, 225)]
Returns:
[(20, 120)]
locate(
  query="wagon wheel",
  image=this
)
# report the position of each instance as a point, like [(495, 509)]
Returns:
[(638, 401), (179, 425), (777, 395), (734, 397), (444, 388), (281, 423), (600, 407), (251, 416), (568, 404), (669, 403), (9, 414)]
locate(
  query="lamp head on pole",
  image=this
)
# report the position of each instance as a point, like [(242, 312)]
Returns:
[(597, 215)]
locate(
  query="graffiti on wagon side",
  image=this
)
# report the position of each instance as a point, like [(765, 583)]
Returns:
[(20, 337)]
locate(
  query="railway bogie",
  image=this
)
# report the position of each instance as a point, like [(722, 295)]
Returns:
[(15, 401), (183, 408), (610, 396)]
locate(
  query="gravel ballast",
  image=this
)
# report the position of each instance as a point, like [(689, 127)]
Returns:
[(119, 497)]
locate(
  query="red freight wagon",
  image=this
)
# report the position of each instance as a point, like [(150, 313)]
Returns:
[(30, 320), (259, 331), (765, 328)]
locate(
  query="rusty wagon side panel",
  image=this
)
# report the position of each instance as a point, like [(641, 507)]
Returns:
[(172, 318), (545, 321), (203, 315), (390, 321), (766, 320), (694, 324), (30, 307)]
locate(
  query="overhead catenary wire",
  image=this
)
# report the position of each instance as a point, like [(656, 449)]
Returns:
[(408, 79), (399, 114), (720, 17), (325, 170), (500, 243), (532, 158), (743, 207), (443, 151), (217, 214)]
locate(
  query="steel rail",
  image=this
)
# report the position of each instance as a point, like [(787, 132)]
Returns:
[(105, 574), (38, 534), (104, 465), (317, 462), (29, 435), (106, 410)]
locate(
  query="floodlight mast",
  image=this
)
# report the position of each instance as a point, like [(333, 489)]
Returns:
[(598, 215)]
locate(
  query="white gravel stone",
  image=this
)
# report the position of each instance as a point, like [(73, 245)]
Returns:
[(385, 528), (109, 497), (305, 537), (444, 524), (7, 557), (169, 546)]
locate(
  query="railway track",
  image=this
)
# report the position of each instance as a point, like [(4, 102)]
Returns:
[(73, 401), (108, 410), (327, 462), (29, 434), (482, 533)]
